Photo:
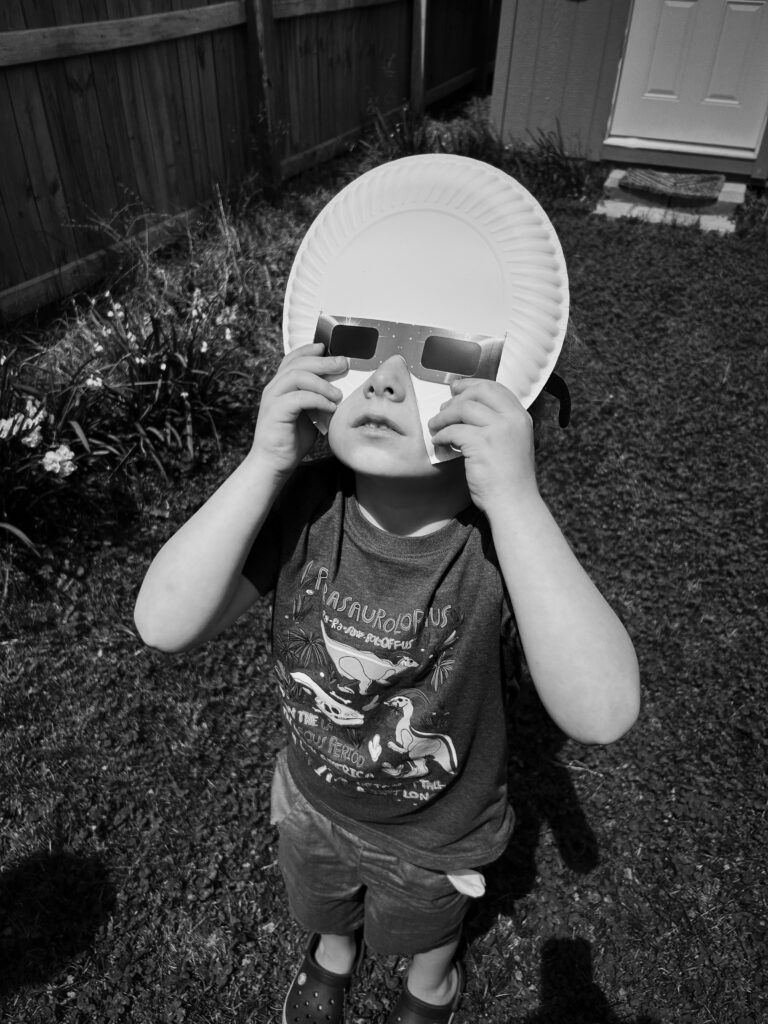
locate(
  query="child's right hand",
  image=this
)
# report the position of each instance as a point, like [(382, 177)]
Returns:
[(284, 431)]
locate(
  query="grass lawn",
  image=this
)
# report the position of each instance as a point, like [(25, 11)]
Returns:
[(138, 880)]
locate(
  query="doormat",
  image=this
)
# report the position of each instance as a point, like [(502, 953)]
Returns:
[(699, 188)]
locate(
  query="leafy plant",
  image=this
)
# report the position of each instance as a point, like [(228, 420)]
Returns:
[(752, 215), (123, 386), (543, 165), (36, 453)]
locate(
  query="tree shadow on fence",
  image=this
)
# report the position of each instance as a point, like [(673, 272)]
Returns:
[(51, 907)]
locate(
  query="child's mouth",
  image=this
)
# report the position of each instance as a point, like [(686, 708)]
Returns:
[(377, 427)]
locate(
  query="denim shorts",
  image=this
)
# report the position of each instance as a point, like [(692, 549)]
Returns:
[(338, 883)]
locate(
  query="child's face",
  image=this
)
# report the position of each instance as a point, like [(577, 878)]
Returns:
[(377, 430)]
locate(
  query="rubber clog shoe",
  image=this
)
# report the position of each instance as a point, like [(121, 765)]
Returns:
[(410, 1010), (316, 996)]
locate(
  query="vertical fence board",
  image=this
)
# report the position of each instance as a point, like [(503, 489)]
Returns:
[(41, 165), (153, 122), (12, 17), (79, 99), (11, 269), (261, 74), (418, 46), (139, 106), (334, 69), (163, 120), (71, 153), (229, 63), (23, 222), (189, 84), (206, 75)]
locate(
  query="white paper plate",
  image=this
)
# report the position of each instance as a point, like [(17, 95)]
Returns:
[(441, 240)]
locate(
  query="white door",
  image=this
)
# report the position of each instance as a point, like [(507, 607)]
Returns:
[(694, 77)]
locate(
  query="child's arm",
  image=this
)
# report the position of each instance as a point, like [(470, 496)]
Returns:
[(194, 587), (580, 657)]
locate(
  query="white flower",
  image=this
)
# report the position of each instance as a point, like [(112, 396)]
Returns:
[(94, 382), (60, 462), (98, 347), (204, 346), (34, 414), (33, 440), (11, 426), (227, 334)]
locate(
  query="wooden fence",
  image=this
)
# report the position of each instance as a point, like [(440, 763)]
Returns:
[(115, 111)]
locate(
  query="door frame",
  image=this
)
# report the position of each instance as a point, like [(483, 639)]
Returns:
[(694, 157)]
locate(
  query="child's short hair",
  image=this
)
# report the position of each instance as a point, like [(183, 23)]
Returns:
[(541, 409)]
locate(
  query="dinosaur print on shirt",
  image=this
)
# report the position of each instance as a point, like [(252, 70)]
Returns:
[(361, 689)]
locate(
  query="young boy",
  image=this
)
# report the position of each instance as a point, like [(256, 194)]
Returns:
[(397, 585)]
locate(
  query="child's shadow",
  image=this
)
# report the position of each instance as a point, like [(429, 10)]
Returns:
[(569, 994), (51, 906), (540, 791)]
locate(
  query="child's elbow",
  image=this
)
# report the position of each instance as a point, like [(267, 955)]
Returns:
[(619, 715), (153, 635), (611, 731)]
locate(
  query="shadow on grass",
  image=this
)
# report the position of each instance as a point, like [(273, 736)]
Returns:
[(51, 906), (541, 793), (569, 994)]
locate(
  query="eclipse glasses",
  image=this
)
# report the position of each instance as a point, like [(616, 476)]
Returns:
[(434, 355), (431, 354)]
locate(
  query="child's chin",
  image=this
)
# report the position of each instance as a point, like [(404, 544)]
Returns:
[(370, 461)]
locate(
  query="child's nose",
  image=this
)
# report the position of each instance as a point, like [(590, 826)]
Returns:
[(390, 380)]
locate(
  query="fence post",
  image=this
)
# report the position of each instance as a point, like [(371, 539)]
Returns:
[(418, 47), (487, 54), (261, 88)]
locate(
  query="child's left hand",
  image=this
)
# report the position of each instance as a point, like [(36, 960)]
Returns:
[(494, 433)]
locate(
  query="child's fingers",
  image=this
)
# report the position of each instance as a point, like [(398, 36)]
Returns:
[(312, 358), (456, 435), (303, 379), (496, 396), (296, 402), (466, 410)]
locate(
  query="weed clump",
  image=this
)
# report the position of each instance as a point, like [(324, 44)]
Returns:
[(543, 165)]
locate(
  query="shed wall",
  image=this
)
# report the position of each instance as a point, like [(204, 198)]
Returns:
[(556, 67)]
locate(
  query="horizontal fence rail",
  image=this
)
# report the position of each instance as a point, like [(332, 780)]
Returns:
[(126, 121)]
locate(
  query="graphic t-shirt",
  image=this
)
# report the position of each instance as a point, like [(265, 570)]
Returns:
[(390, 661)]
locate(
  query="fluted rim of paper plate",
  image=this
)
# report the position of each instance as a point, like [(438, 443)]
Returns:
[(496, 204)]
